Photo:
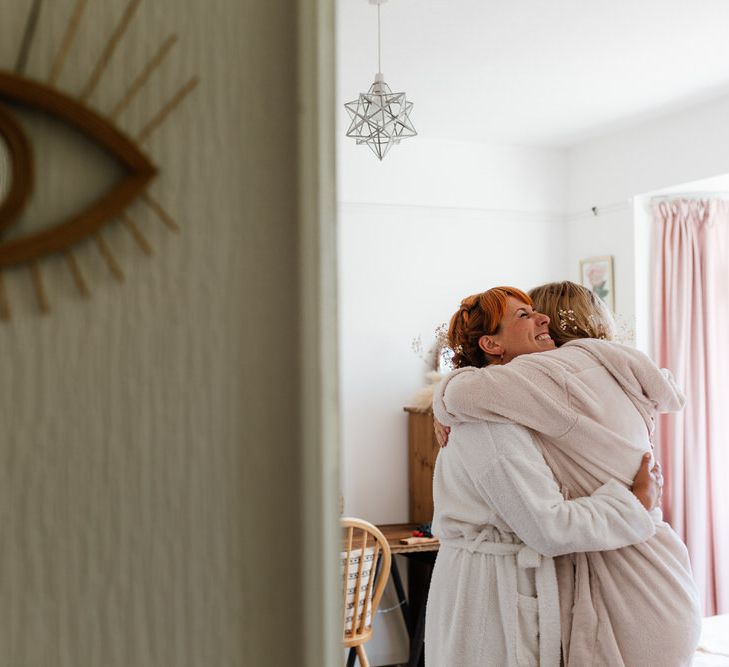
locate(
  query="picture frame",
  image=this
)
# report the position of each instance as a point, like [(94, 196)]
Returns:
[(596, 273)]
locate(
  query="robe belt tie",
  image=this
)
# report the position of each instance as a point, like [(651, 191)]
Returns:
[(545, 580), (526, 557)]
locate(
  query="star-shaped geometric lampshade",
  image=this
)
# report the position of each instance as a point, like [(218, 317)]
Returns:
[(380, 118)]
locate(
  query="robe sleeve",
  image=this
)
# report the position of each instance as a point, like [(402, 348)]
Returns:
[(527, 391), (676, 393), (524, 493), (636, 373)]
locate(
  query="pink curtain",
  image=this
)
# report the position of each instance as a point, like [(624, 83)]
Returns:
[(692, 339)]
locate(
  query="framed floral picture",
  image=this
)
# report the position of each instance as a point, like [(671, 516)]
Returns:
[(596, 273)]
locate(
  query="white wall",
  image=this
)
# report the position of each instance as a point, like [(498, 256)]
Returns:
[(608, 233), (430, 172)]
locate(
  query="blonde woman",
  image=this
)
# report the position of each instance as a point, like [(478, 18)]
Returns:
[(591, 404)]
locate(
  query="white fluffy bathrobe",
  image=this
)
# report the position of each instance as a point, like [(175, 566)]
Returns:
[(593, 405), (500, 517)]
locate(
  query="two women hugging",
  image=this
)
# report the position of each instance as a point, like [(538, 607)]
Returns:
[(552, 549)]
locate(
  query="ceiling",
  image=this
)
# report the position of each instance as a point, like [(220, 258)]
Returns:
[(535, 72)]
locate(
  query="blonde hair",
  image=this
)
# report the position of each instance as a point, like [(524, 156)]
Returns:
[(479, 315), (574, 312)]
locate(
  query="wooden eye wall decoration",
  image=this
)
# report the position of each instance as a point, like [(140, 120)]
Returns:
[(17, 185)]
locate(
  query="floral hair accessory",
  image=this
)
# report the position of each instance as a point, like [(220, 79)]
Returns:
[(597, 326), (567, 320), (593, 327)]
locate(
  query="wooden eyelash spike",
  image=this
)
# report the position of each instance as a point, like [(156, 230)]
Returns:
[(60, 60), (109, 258), (40, 292), (167, 109), (137, 234), (143, 76), (161, 213), (30, 25), (78, 277), (109, 50)]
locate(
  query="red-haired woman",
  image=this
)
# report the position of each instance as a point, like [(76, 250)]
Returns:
[(589, 407)]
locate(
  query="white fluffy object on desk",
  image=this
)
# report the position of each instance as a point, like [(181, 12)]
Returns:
[(423, 399)]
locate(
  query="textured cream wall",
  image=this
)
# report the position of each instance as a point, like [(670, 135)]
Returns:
[(148, 440)]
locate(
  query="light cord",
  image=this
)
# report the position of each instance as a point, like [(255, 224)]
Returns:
[(379, 41)]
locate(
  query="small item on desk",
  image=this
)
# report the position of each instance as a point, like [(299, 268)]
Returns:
[(423, 530), (418, 540), (421, 535)]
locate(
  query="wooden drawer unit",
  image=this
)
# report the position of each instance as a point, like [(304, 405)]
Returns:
[(422, 450)]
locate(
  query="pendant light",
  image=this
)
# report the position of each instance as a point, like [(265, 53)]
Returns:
[(379, 117)]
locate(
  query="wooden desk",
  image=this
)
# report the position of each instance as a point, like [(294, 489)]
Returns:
[(394, 532)]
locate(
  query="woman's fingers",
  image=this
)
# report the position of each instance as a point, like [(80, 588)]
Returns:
[(645, 486), (657, 475), (441, 432)]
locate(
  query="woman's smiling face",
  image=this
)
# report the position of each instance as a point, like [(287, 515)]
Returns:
[(522, 331)]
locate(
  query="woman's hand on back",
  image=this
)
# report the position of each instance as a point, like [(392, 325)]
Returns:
[(441, 432), (648, 483)]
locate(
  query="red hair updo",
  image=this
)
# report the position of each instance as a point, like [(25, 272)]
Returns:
[(479, 315)]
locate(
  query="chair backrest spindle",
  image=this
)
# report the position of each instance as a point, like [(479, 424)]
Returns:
[(345, 583), (368, 595), (358, 584)]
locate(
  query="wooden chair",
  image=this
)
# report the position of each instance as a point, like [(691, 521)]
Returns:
[(364, 546)]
